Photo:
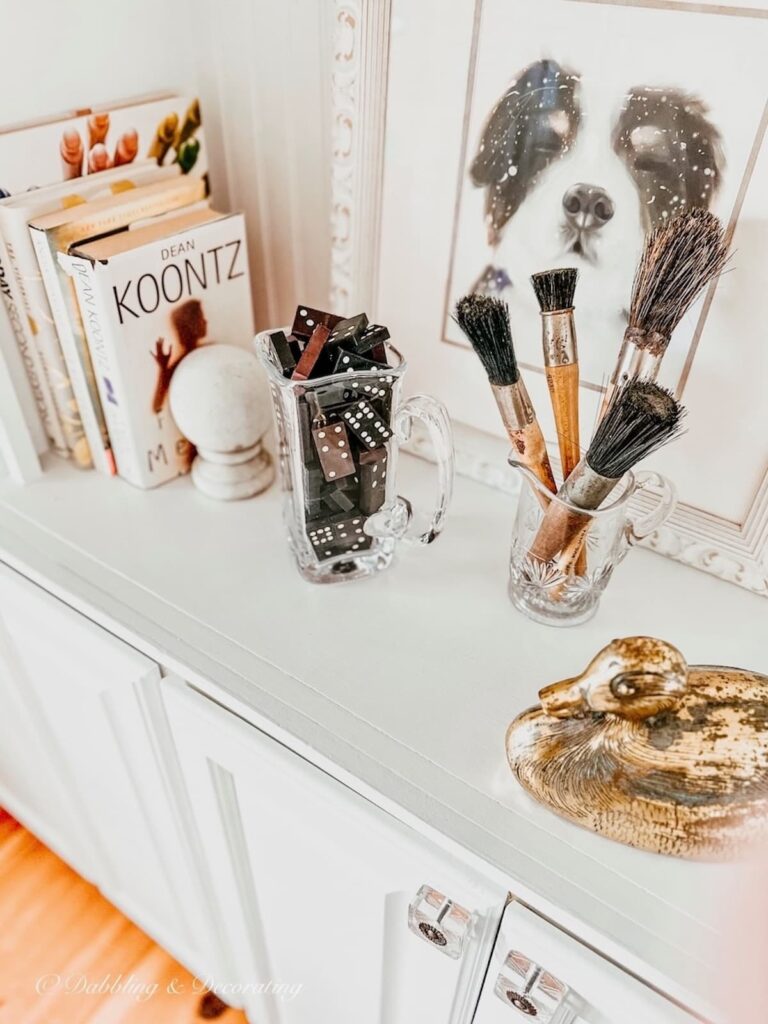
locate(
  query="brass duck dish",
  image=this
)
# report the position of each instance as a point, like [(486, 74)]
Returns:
[(649, 752)]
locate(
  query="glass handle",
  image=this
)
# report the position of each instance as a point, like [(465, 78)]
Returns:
[(439, 921), (638, 529), (397, 519), (434, 416)]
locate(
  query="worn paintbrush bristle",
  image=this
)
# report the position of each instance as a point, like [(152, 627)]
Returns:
[(555, 288), (485, 321), (641, 417), (680, 257)]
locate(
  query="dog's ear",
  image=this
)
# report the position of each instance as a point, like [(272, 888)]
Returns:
[(671, 149), (534, 123)]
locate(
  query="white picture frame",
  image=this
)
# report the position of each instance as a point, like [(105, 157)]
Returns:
[(395, 224)]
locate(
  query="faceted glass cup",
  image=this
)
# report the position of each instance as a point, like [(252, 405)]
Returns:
[(566, 589)]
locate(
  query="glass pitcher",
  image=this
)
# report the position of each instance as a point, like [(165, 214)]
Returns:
[(565, 589), (338, 440)]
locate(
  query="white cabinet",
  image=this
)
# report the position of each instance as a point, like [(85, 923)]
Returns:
[(540, 972), (284, 888), (74, 688), (313, 885)]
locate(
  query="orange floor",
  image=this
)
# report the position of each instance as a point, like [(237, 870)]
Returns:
[(58, 933)]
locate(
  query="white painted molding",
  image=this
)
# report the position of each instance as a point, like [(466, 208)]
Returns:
[(358, 92)]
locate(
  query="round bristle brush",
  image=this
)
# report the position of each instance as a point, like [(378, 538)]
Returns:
[(641, 418), (680, 257), (554, 290), (485, 321)]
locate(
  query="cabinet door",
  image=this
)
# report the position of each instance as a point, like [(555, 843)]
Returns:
[(539, 972), (314, 885), (83, 685), (31, 786)]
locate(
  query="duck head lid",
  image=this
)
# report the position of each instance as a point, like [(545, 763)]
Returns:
[(636, 677)]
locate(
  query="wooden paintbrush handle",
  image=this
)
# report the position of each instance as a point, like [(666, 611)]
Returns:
[(531, 449), (523, 430), (560, 538), (563, 382)]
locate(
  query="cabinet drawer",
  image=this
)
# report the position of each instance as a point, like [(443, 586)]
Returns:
[(539, 972)]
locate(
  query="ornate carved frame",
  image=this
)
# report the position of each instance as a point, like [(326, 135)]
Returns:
[(733, 551)]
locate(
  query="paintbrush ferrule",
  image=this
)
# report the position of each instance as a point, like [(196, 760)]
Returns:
[(514, 405), (631, 357), (585, 488), (558, 336), (524, 432), (648, 364)]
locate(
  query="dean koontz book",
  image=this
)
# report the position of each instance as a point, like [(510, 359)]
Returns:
[(147, 298)]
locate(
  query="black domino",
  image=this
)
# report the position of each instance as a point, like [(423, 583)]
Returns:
[(366, 424)]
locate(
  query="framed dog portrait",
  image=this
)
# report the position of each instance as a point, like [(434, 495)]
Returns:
[(485, 140)]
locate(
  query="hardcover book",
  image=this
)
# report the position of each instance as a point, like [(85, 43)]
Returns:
[(54, 233), (26, 299), (147, 298), (78, 144), (166, 129)]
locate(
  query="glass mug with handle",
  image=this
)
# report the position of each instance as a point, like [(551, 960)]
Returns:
[(338, 441), (565, 590)]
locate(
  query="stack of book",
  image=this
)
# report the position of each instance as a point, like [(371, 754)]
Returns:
[(113, 267)]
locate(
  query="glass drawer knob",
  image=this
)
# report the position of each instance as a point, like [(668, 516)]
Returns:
[(439, 921), (534, 992)]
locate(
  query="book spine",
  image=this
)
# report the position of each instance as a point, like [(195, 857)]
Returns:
[(90, 440), (37, 310), (175, 194), (109, 381), (101, 442), (44, 411)]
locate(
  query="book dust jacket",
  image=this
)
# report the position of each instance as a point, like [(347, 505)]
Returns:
[(144, 309)]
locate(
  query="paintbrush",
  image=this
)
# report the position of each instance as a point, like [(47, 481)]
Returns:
[(554, 290), (485, 321), (641, 417), (680, 257)]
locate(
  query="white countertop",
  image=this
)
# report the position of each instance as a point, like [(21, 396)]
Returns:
[(406, 681)]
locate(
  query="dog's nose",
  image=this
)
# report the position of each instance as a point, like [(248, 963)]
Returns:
[(587, 206)]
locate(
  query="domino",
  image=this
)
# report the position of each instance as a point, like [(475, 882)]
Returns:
[(349, 362), (372, 343), (311, 353), (367, 425), (306, 320), (333, 449), (346, 332), (283, 352), (373, 480), (338, 536)]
